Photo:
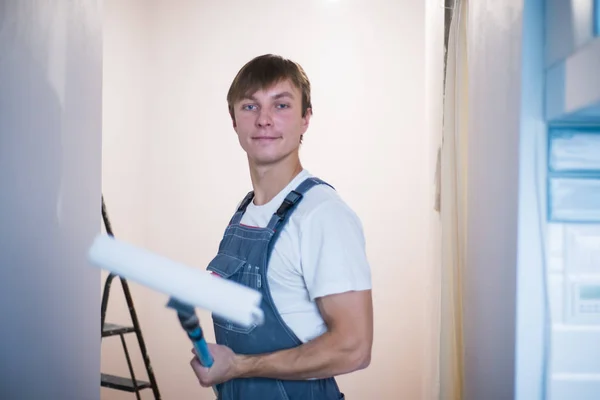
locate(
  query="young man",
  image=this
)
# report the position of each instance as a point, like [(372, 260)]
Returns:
[(295, 240)]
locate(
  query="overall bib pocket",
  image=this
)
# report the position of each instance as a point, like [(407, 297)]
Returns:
[(238, 271)]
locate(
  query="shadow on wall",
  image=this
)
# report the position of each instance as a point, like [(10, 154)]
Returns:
[(44, 281), (30, 169)]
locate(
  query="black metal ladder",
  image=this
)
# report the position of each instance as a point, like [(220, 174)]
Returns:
[(132, 384)]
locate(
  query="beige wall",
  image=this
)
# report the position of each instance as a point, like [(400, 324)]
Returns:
[(174, 171), (124, 135)]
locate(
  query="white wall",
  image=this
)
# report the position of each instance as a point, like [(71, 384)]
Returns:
[(50, 149), (369, 138), (489, 285)]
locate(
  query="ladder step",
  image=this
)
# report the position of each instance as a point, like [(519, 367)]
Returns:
[(114, 329), (124, 384)]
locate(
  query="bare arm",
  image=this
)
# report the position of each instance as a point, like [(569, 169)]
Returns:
[(344, 348)]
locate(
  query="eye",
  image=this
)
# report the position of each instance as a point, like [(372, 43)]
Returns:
[(249, 107), (283, 105)]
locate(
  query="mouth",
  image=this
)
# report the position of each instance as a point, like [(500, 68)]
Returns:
[(265, 138)]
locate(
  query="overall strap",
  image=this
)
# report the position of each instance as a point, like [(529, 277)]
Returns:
[(291, 200), (281, 216), (237, 217)]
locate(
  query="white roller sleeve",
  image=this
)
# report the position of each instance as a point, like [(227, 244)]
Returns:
[(199, 288)]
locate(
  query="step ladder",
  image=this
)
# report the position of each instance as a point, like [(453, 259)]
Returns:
[(131, 384)]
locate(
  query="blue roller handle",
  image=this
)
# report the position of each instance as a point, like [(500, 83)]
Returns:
[(201, 347), (191, 324)]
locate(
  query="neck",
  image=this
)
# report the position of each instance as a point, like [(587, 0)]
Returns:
[(269, 180)]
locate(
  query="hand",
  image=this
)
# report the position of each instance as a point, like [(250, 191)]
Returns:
[(223, 368)]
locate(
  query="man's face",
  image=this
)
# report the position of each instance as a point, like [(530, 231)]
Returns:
[(269, 123)]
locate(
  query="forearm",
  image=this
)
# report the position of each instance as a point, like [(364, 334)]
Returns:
[(326, 356)]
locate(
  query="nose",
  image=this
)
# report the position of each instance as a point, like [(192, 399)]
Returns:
[(264, 119)]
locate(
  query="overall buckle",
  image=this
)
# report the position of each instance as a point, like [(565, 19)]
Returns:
[(291, 199)]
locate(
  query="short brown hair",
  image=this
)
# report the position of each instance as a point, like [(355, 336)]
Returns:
[(264, 71)]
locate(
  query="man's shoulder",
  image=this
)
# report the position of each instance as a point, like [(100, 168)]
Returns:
[(321, 192), (323, 201)]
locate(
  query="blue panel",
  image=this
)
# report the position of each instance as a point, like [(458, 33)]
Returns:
[(555, 92), (574, 200), (574, 150)]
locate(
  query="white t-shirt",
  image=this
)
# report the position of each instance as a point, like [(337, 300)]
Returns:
[(320, 251)]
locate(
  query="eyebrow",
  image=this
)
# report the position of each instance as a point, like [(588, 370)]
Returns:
[(283, 94), (275, 97)]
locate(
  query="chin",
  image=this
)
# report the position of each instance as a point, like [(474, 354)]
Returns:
[(263, 158), (265, 161)]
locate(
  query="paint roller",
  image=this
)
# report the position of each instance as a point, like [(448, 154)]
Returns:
[(187, 287)]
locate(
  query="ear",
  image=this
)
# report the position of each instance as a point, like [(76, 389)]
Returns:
[(306, 118)]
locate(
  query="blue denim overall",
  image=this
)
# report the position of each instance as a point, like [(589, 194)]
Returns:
[(243, 257)]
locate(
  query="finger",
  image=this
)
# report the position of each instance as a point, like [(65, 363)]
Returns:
[(195, 364), (200, 371), (198, 367)]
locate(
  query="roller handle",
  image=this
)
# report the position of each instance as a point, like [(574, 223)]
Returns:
[(201, 347), (191, 325)]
